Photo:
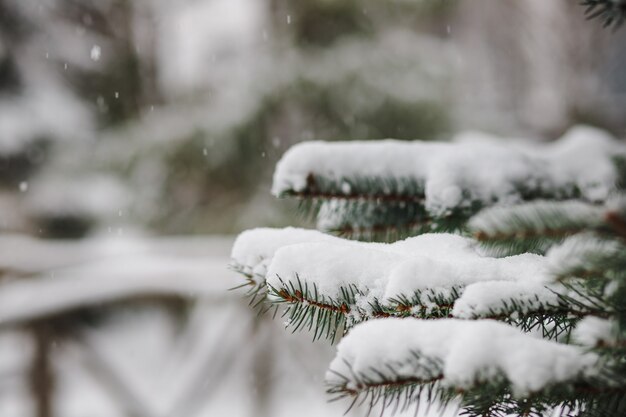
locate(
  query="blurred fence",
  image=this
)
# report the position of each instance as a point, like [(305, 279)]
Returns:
[(143, 328)]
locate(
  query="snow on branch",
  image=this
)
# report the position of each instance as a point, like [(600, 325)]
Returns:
[(532, 227), (424, 183), (586, 256), (379, 358), (590, 267), (383, 220), (434, 262), (594, 331), (254, 249), (329, 283), (503, 298), (536, 226)]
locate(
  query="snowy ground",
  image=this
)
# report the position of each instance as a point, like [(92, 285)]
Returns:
[(143, 356)]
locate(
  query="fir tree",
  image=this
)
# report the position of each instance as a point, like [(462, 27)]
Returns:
[(508, 299)]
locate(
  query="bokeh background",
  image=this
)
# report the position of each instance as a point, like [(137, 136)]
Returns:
[(137, 137)]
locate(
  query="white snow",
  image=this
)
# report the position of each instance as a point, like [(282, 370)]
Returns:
[(581, 156), (254, 248), (469, 352), (455, 174), (331, 266), (502, 220), (483, 299), (593, 331), (461, 269), (431, 264), (580, 253), (95, 53)]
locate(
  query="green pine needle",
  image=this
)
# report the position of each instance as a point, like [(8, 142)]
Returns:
[(533, 227), (612, 13)]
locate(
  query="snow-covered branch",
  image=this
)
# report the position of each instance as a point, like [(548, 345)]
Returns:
[(377, 187)]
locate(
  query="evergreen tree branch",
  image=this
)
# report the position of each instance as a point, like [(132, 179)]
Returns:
[(490, 365), (373, 208), (307, 309), (612, 13), (256, 288), (535, 227), (390, 386), (587, 256), (388, 223), (372, 189)]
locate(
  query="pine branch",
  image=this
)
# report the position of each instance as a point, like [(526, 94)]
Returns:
[(253, 251), (362, 189), (492, 398), (570, 400), (387, 209), (307, 309), (612, 13), (425, 304), (529, 308), (371, 209), (324, 316), (587, 256), (385, 222), (396, 187), (425, 348), (589, 299), (397, 391), (535, 227), (388, 384), (256, 288), (552, 324)]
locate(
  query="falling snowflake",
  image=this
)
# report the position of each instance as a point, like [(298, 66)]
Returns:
[(95, 53)]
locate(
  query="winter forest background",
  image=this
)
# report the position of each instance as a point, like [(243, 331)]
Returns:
[(138, 136)]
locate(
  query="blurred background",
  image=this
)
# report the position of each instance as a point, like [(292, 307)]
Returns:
[(137, 137)]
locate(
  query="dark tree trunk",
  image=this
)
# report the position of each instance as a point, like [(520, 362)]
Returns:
[(41, 375)]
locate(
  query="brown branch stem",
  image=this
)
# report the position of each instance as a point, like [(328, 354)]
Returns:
[(390, 384)]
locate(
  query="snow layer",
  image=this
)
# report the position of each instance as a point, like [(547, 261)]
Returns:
[(471, 169), (331, 266), (429, 264), (463, 353), (495, 297), (432, 262), (536, 216), (579, 253), (593, 331), (254, 249)]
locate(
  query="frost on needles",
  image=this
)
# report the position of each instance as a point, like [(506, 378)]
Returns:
[(493, 280)]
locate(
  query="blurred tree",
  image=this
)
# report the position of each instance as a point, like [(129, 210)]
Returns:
[(141, 91)]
